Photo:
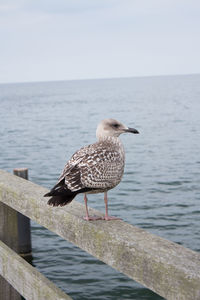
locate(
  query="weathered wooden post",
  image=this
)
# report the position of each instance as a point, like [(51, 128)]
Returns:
[(24, 232), (15, 233), (8, 235)]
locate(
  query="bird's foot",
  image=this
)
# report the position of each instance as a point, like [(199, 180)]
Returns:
[(110, 218), (94, 218)]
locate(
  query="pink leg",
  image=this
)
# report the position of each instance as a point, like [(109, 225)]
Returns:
[(87, 217), (107, 217)]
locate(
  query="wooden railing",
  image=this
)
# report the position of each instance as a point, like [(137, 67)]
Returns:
[(168, 269)]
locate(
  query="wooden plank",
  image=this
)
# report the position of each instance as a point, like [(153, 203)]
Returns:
[(7, 292), (14, 232), (9, 226), (168, 269), (30, 283), (9, 235)]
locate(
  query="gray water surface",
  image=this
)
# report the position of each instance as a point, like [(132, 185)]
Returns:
[(42, 124)]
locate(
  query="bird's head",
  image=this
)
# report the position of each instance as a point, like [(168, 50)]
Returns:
[(113, 128)]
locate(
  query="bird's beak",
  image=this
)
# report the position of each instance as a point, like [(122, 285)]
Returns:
[(132, 130)]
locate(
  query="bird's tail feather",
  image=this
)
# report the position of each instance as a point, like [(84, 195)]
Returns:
[(60, 200), (61, 195)]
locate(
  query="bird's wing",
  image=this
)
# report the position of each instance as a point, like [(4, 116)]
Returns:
[(71, 172), (74, 161), (93, 166)]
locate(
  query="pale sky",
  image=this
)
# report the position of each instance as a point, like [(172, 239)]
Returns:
[(43, 40)]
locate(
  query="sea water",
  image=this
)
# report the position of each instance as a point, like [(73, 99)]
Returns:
[(43, 124)]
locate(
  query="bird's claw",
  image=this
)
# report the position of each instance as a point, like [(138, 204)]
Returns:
[(94, 218), (110, 218)]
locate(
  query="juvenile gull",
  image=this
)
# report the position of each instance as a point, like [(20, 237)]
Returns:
[(95, 168)]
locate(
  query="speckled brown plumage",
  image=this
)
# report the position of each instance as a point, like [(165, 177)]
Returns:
[(95, 168), (99, 166)]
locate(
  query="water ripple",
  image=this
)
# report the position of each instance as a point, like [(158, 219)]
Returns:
[(160, 190)]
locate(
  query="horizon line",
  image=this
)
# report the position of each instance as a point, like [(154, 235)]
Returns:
[(99, 78)]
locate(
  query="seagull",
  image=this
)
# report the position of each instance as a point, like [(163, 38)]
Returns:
[(96, 168)]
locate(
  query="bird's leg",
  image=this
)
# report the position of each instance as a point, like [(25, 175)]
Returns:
[(87, 217), (107, 217), (86, 208)]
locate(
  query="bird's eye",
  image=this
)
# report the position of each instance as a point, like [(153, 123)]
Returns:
[(115, 125)]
